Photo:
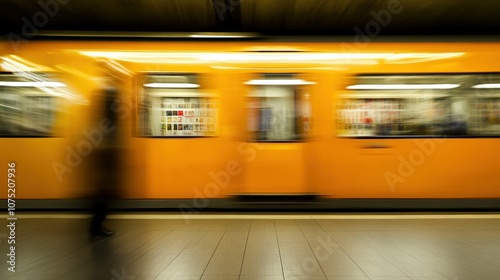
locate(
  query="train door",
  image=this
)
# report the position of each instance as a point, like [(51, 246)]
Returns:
[(278, 115), (179, 120)]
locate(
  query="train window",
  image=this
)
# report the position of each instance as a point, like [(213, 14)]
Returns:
[(27, 108), (484, 105), (278, 108), (175, 107), (485, 116), (420, 105)]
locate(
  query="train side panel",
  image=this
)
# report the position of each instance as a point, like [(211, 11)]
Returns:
[(229, 163)]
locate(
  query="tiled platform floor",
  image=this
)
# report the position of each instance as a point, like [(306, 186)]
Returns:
[(281, 247)]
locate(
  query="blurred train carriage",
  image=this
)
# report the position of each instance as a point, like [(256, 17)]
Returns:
[(204, 124)]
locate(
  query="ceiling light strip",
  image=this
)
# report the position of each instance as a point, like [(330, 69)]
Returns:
[(402, 86), (486, 86), (171, 85), (278, 82), (31, 84)]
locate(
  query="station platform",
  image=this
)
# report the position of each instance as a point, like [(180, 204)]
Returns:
[(255, 246)]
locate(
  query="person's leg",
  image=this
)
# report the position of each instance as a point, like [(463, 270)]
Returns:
[(100, 206), (97, 227)]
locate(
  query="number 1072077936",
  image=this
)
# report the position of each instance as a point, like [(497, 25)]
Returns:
[(11, 191)]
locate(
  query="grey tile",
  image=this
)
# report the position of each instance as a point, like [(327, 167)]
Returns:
[(231, 247), (291, 236), (172, 243), (141, 277), (305, 277), (347, 278), (344, 249), (390, 278), (269, 265), (225, 265), (301, 265), (262, 236), (177, 277), (294, 248), (262, 225), (411, 266), (433, 278), (377, 266), (261, 277), (220, 277), (239, 225), (203, 243), (309, 225), (373, 248), (339, 264), (187, 265), (262, 248), (150, 264), (286, 225)]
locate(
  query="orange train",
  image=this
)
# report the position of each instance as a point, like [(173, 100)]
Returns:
[(386, 124)]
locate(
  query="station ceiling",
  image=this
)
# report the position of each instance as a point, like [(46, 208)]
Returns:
[(273, 17)]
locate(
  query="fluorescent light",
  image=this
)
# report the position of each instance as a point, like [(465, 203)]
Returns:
[(10, 107), (115, 34), (486, 86), (195, 57), (222, 35), (276, 82), (216, 36), (171, 85), (404, 86), (30, 84)]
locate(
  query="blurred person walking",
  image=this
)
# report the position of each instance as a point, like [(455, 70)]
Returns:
[(106, 159)]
